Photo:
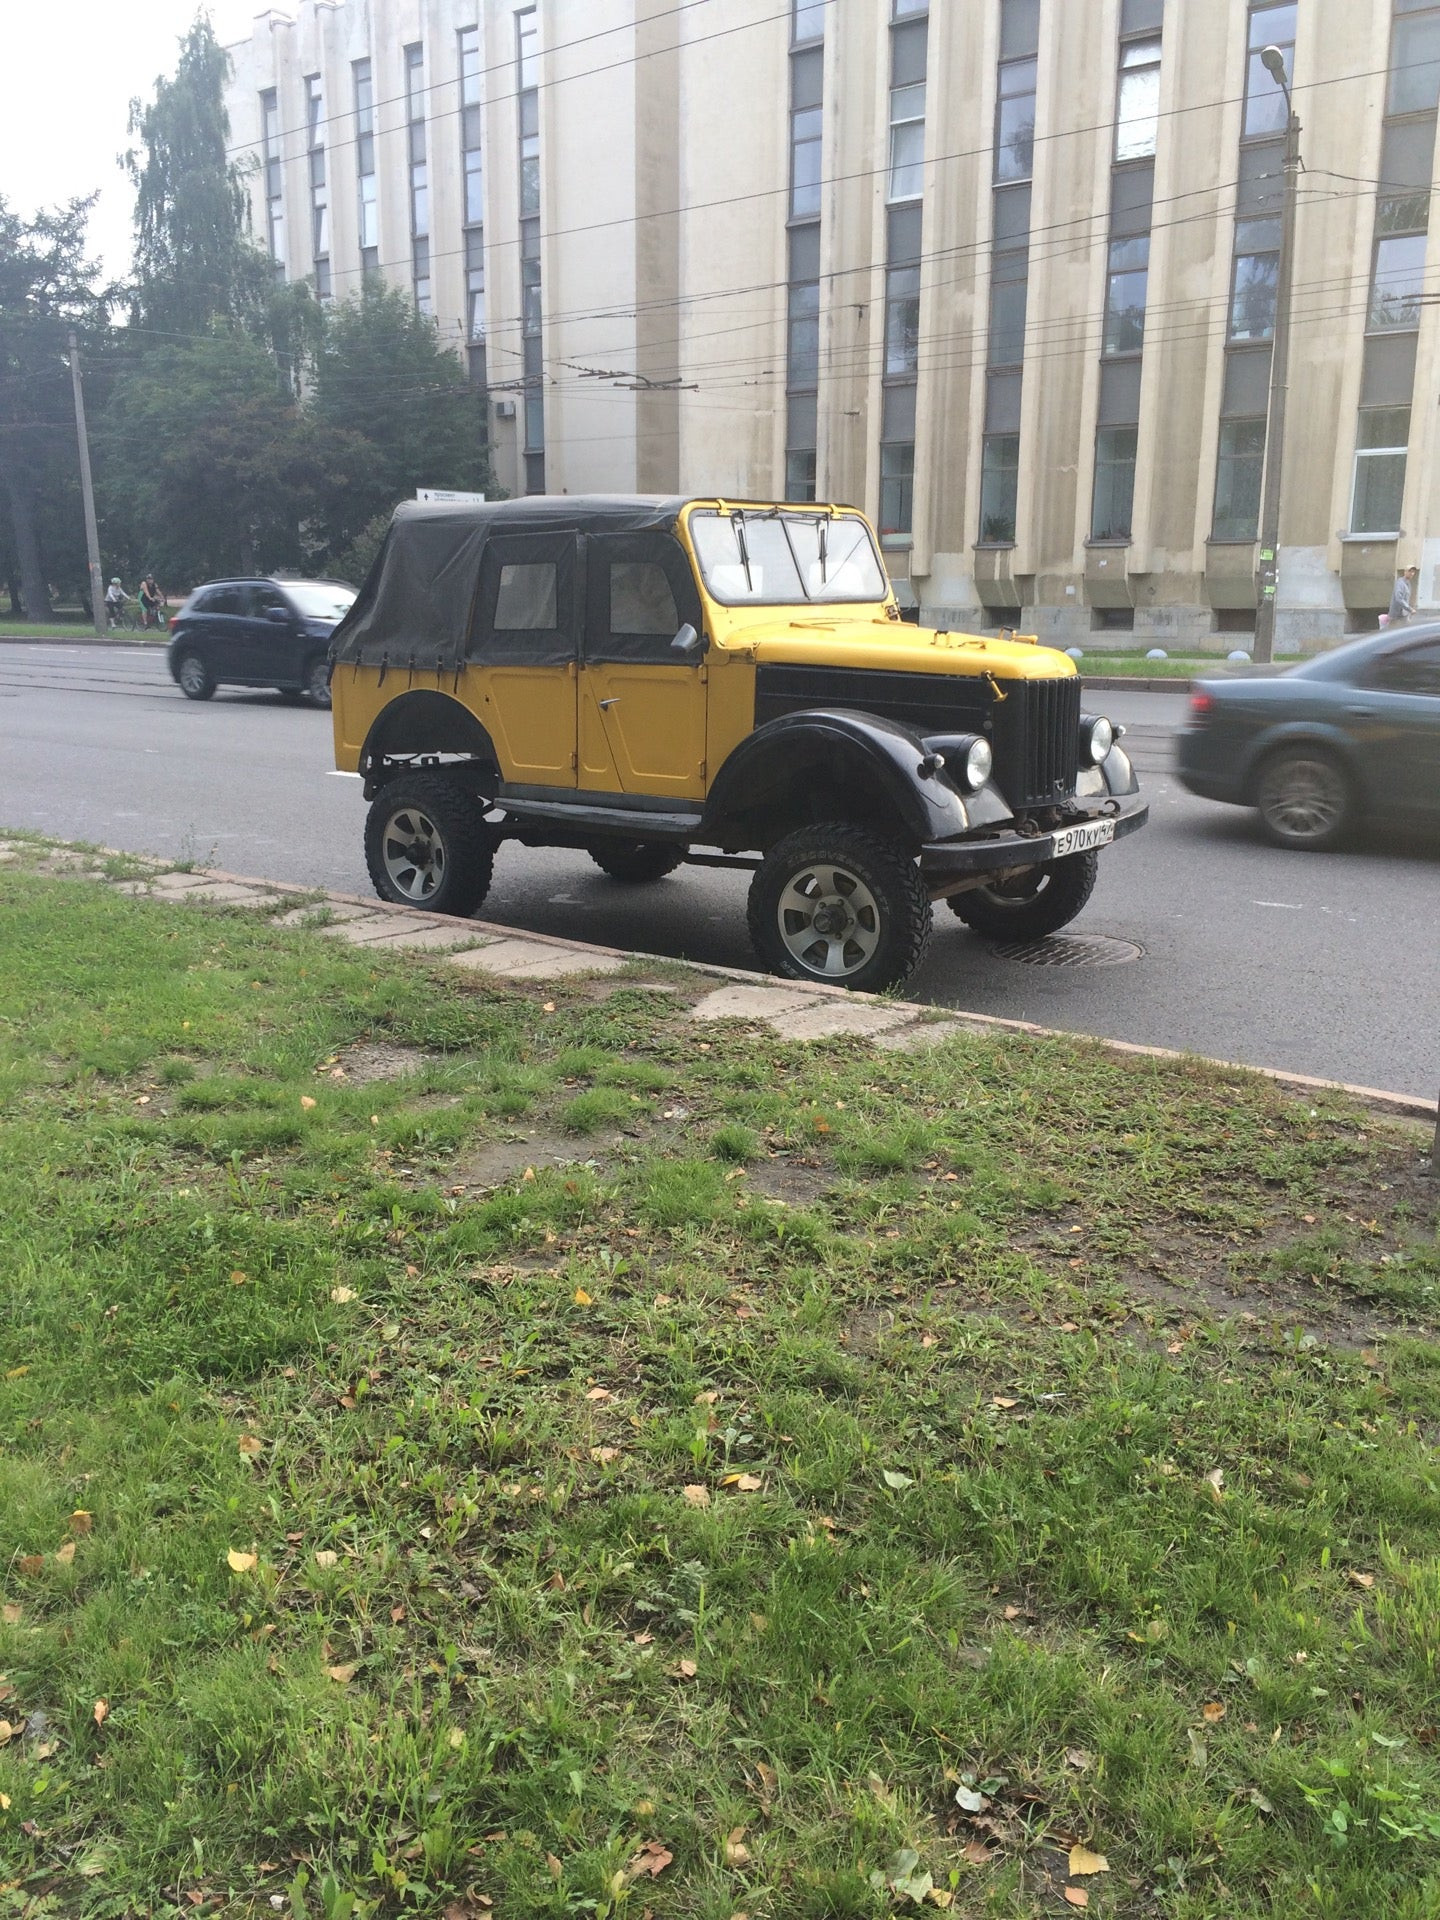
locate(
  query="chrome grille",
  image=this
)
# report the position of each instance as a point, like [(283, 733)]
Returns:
[(1038, 725)]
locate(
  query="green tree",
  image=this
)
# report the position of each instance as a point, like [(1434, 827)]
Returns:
[(209, 469), (195, 258), (46, 287), (382, 374)]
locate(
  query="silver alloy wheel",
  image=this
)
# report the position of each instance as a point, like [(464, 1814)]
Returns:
[(318, 683), (414, 854), (193, 677), (829, 921), (1302, 797)]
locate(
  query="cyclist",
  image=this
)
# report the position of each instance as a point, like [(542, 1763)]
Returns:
[(115, 598), (151, 601)]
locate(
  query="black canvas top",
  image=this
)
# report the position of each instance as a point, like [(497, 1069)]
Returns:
[(414, 608)]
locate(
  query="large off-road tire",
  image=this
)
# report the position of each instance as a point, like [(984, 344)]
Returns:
[(1305, 798), (1037, 902), (837, 903), (427, 845), (636, 862), (317, 681), (193, 677)]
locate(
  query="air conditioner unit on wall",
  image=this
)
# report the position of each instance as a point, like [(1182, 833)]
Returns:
[(504, 409)]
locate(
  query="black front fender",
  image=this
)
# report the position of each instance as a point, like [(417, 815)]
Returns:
[(867, 760)]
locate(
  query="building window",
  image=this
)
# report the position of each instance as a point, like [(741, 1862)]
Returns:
[(897, 487), (274, 186), (1114, 483), (369, 210), (1380, 469), (473, 210), (1125, 294), (532, 362), (806, 80), (907, 142), (1009, 300), (999, 488), (902, 321), (1397, 283), (1414, 61), (1265, 109), (1137, 116), (1256, 279), (319, 185), (800, 473), (419, 177), (1238, 475), (807, 21), (1015, 121)]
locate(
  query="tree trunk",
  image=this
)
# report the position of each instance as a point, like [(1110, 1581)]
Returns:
[(27, 545)]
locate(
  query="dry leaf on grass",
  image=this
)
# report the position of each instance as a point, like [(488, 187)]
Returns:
[(604, 1454), (737, 1854), (326, 1557), (583, 1299), (1077, 1757), (653, 1858), (1083, 1862), (743, 1482), (1212, 1711), (999, 1400), (599, 1393), (977, 1853), (342, 1296), (342, 1676), (686, 1669), (8, 1731), (697, 1496), (66, 1553), (81, 1522), (1360, 1579), (251, 1443), (1215, 1480), (31, 1563), (1077, 1896), (705, 1399), (307, 1102), (11, 1615), (240, 1562), (100, 1713)]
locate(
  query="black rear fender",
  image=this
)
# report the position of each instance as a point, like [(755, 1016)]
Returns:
[(421, 726)]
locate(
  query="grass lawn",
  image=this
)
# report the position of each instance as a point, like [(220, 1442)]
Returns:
[(73, 630), (470, 1449)]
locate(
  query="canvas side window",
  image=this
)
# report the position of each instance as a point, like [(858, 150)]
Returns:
[(640, 593), (525, 609), (526, 599)]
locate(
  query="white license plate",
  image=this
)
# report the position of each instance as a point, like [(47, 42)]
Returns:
[(1099, 833)]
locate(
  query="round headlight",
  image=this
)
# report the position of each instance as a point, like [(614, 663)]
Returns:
[(978, 762), (1102, 738)]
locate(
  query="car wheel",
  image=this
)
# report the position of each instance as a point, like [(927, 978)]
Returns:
[(1304, 799), (195, 678), (292, 696), (1039, 901), (317, 682), (836, 903), (636, 862), (427, 845)]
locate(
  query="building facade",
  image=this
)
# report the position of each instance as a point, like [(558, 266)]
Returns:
[(1003, 272)]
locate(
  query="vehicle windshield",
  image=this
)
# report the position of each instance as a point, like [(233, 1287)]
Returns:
[(774, 557), (320, 599)]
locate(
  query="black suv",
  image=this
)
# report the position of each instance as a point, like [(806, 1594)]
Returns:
[(258, 633)]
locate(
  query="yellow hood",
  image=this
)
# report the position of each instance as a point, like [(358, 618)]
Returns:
[(897, 647)]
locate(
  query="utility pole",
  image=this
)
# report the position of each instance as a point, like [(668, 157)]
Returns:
[(87, 492), (1267, 572)]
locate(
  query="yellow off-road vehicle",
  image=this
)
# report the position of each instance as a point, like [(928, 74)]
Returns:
[(662, 680)]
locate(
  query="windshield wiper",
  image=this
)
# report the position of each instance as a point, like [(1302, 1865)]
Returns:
[(739, 520)]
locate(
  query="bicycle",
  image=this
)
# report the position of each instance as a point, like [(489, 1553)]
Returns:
[(126, 616)]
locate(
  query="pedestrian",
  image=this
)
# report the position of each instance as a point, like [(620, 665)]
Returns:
[(1402, 600)]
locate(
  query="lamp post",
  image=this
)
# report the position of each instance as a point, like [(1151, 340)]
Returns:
[(1267, 571)]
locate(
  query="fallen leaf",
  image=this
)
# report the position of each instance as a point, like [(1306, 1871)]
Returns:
[(11, 1615), (1078, 1757), (737, 1854), (743, 1482), (8, 1731), (1199, 1752), (1215, 1480), (969, 1800), (31, 1563), (604, 1454), (697, 1496), (240, 1562), (342, 1676), (100, 1713), (999, 1400), (66, 1553), (583, 1299), (977, 1853), (929, 1340), (768, 1778), (687, 1669), (653, 1858), (307, 1101), (1212, 1711), (251, 1443), (599, 1393), (556, 1870), (4, 1803), (1083, 1861), (326, 1557), (1068, 1326), (897, 1481), (1360, 1579), (238, 1279), (705, 1399), (456, 1737), (1077, 1896), (1012, 1613), (342, 1295), (81, 1522), (529, 1174)]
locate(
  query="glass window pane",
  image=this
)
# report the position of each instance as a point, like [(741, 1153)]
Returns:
[(1415, 65), (1008, 301), (999, 484), (1017, 77), (1252, 300), (907, 103), (1265, 110), (800, 474), (641, 599), (897, 487), (526, 599), (1399, 282), (1015, 138), (1273, 26), (1114, 483), (907, 160), (902, 320), (1387, 427), (1257, 236), (529, 183), (1379, 491), (1125, 312), (474, 190), (1403, 213), (1137, 120), (807, 20), (1237, 479), (803, 365)]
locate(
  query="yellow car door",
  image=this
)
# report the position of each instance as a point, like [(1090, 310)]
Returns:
[(643, 696), (523, 655)]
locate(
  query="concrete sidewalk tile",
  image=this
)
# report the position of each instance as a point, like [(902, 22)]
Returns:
[(435, 939), (535, 960), (561, 966), (141, 889), (376, 930), (313, 909), (174, 882), (226, 894), (750, 1003), (825, 1019)]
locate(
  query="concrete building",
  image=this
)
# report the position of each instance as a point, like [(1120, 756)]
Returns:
[(1001, 271)]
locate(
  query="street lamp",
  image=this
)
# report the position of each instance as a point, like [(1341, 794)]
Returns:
[(1266, 572)]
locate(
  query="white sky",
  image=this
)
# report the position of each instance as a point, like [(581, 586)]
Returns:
[(71, 68)]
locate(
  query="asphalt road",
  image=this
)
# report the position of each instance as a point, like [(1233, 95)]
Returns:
[(1323, 964)]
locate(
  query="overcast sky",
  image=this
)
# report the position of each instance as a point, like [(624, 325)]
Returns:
[(71, 68)]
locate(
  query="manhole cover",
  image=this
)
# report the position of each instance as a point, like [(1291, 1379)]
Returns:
[(1069, 950)]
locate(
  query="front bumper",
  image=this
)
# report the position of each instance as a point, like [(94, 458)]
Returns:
[(945, 861)]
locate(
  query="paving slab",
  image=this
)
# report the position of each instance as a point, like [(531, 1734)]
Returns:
[(227, 894), (376, 929), (536, 960), (436, 939), (750, 1003), (182, 882), (313, 909), (827, 1019)]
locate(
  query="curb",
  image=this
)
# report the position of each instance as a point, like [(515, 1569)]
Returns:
[(85, 639), (1398, 1105)]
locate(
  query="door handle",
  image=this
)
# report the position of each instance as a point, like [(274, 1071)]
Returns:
[(605, 705), (1360, 713)]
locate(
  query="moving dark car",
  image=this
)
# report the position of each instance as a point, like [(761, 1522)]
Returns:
[(1353, 735), (258, 633)]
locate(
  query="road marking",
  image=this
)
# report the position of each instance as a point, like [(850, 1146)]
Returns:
[(1289, 905)]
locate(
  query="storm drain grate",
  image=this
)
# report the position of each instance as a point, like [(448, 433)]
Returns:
[(1069, 950)]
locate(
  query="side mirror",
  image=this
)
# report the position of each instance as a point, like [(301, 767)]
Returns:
[(277, 616), (687, 643)]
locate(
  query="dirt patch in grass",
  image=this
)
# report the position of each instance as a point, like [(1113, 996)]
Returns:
[(498, 1162), (379, 1060), (796, 1182)]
